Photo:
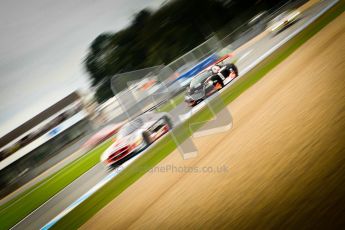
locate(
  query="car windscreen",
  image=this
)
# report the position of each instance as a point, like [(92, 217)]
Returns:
[(130, 127), (199, 79)]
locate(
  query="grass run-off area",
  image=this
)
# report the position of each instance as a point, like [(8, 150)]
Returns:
[(158, 152), (18, 208)]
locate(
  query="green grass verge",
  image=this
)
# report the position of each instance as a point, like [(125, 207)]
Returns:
[(102, 197), (16, 209)]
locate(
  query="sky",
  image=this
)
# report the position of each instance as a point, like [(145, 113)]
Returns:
[(42, 45)]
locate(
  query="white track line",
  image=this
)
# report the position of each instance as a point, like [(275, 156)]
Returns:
[(245, 55)]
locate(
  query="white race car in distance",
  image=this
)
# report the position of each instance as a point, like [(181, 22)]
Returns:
[(283, 20)]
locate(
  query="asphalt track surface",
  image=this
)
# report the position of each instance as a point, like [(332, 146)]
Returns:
[(63, 199)]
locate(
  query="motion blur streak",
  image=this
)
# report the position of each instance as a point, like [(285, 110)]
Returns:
[(285, 155)]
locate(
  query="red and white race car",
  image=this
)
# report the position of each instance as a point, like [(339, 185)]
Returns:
[(135, 136)]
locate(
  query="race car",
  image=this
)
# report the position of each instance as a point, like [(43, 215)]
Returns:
[(208, 82), (184, 75), (135, 136), (283, 20)]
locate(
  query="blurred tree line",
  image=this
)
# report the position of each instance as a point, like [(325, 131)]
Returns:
[(159, 37)]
